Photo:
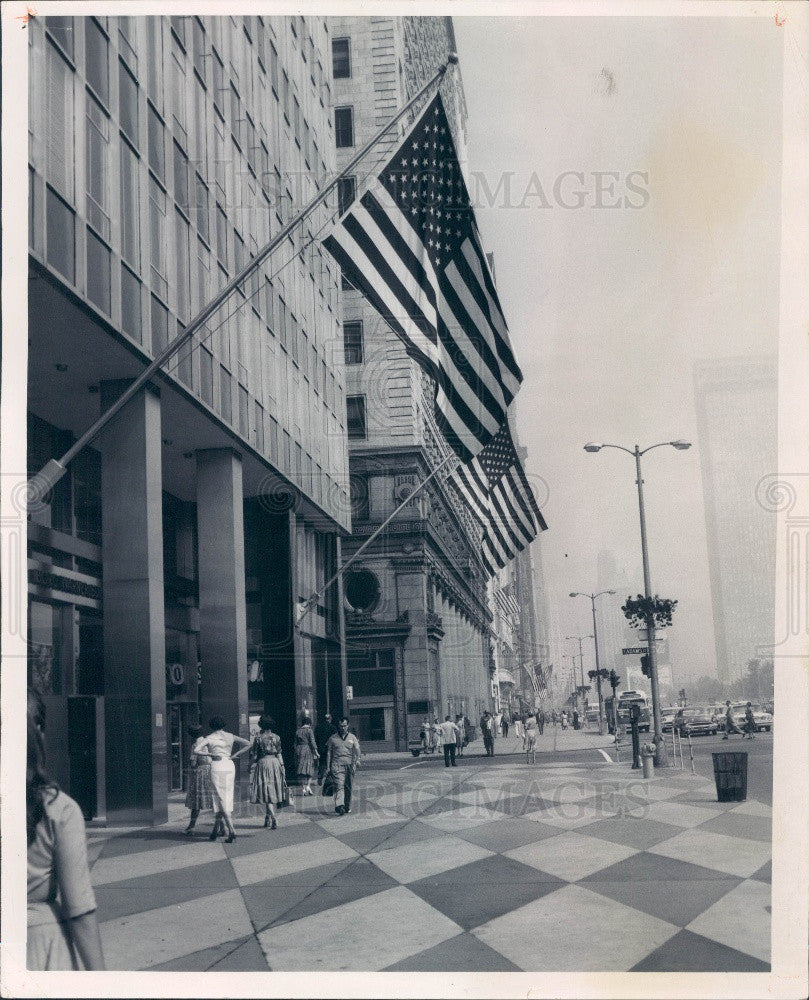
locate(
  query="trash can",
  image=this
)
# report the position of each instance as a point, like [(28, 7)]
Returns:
[(730, 774), (648, 759)]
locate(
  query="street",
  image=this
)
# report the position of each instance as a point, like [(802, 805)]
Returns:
[(572, 863)]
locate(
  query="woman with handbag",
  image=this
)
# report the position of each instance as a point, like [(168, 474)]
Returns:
[(269, 780)]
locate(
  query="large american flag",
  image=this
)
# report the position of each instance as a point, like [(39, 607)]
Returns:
[(495, 486), (411, 245)]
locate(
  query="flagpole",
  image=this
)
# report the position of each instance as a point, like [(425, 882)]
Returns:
[(50, 474), (312, 602)]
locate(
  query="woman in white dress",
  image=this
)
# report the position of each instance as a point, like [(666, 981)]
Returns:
[(218, 747)]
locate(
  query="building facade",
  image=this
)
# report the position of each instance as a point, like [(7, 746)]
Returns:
[(417, 618), (737, 421), (166, 567)]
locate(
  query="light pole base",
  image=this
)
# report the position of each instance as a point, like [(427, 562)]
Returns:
[(661, 752)]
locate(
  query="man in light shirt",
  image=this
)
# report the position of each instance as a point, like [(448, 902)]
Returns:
[(449, 738), (343, 753)]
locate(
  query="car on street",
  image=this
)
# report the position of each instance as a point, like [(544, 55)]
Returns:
[(695, 722), (762, 719), (667, 718)]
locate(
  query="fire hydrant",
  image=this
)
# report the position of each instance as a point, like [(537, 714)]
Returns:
[(647, 756)]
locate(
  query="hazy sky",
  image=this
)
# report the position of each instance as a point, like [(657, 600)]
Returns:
[(610, 308)]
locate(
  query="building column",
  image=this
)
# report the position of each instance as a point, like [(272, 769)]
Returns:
[(134, 625), (222, 611)]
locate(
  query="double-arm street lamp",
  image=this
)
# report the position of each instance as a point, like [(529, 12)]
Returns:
[(578, 638), (598, 665), (661, 755)]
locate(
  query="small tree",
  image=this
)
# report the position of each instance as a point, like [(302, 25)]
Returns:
[(639, 609)]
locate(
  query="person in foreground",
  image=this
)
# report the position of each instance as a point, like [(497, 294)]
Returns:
[(62, 926), (218, 747), (343, 756), (267, 785)]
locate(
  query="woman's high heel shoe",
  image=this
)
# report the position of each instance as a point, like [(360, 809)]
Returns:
[(213, 835), (230, 839), (274, 824), (266, 822)]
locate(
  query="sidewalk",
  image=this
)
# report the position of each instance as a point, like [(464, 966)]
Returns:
[(495, 865)]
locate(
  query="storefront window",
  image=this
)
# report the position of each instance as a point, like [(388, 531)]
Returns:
[(44, 647)]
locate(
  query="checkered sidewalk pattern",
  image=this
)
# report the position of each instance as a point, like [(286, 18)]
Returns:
[(492, 866)]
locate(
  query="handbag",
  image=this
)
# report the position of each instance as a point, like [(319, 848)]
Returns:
[(328, 785)]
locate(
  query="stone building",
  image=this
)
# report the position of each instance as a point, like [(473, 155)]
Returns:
[(417, 619), (165, 568)]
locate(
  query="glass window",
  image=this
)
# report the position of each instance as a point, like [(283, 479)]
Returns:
[(130, 304), (201, 127), (181, 256), (273, 439), (199, 46), (127, 40), (355, 417), (44, 647), (97, 68), (220, 160), (98, 272), (179, 97), (62, 30), (206, 375), (128, 101), (259, 427), (157, 237), (244, 403), (225, 398), (203, 282), (235, 116), (185, 370), (154, 62), (343, 127), (160, 326), (218, 83), (130, 208), (346, 193), (178, 27), (340, 58), (274, 68), (60, 225), (201, 202), (157, 146), (98, 167), (352, 342), (296, 120), (221, 236), (285, 94), (59, 116), (180, 178)]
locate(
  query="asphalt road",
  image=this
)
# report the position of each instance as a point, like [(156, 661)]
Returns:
[(759, 759)]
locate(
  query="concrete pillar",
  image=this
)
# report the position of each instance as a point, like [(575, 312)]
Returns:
[(134, 626), (222, 613)]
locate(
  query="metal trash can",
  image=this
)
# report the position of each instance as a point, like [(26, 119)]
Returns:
[(730, 774)]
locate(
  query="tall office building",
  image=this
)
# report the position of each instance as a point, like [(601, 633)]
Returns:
[(166, 566), (418, 624), (737, 421)]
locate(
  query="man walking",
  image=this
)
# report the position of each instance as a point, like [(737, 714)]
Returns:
[(323, 730), (449, 739), (486, 732), (541, 721), (730, 725), (343, 755)]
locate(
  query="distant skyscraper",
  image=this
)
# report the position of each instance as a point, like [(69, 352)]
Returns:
[(737, 407)]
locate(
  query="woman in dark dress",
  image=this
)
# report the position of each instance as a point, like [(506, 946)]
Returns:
[(267, 784), (306, 754)]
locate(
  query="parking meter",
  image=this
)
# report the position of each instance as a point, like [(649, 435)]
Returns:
[(634, 715)]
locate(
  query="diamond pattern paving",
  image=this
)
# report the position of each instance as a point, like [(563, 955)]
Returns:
[(493, 867)]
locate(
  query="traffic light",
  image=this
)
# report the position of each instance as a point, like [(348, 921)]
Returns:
[(646, 665), (614, 680)]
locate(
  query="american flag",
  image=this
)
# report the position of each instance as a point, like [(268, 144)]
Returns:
[(495, 487), (410, 244)]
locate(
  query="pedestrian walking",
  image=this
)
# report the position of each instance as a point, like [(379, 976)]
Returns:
[(575, 718), (750, 727), (554, 718), (343, 756), (63, 930), (306, 754), (218, 747), (730, 725), (519, 732), (269, 777), (439, 742), (323, 730), (449, 740), (563, 720), (504, 725), (486, 723), (198, 794), (531, 740), (459, 746), (541, 722)]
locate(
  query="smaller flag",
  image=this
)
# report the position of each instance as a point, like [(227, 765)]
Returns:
[(496, 488)]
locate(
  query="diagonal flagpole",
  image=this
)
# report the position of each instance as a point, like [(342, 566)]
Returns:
[(50, 474)]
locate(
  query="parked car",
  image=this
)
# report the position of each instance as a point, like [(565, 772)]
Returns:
[(695, 722), (762, 719), (667, 718)]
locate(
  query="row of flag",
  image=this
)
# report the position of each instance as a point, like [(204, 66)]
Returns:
[(411, 245)]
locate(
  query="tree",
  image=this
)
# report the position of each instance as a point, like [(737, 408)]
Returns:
[(638, 610)]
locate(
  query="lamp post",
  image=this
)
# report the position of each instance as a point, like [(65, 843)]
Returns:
[(661, 755), (578, 638), (598, 665)]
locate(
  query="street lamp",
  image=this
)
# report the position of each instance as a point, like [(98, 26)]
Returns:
[(593, 597), (661, 755), (578, 638)]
